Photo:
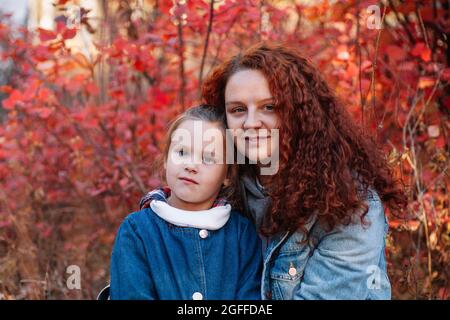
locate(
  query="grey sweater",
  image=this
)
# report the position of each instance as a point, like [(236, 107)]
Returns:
[(256, 202)]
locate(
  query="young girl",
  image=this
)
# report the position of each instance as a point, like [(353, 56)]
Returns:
[(188, 243)]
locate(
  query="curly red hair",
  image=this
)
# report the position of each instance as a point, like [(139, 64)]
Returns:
[(327, 162)]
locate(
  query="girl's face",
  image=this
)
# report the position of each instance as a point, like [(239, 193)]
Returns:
[(196, 166), (249, 106)]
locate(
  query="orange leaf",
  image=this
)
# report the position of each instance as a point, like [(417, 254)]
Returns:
[(425, 82), (6, 89), (420, 49)]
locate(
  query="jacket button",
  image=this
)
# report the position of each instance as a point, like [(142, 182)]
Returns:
[(197, 296), (203, 233), (292, 271)]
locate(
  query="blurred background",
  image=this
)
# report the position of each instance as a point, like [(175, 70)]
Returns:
[(87, 87)]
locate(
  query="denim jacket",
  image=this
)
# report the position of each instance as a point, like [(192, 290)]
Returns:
[(345, 263), (153, 259)]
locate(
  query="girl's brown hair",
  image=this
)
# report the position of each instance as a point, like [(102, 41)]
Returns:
[(210, 114), (327, 162)]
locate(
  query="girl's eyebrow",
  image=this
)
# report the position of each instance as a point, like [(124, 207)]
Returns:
[(259, 102)]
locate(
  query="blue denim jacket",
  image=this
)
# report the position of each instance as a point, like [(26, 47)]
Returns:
[(346, 263), (153, 259)]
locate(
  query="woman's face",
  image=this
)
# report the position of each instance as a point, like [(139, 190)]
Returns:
[(250, 113)]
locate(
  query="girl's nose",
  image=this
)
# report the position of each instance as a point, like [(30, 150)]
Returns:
[(191, 168)]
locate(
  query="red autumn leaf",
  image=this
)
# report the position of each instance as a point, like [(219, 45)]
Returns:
[(96, 192), (139, 65), (46, 35), (118, 94), (446, 74), (440, 142), (395, 53), (75, 83), (75, 154), (168, 35), (69, 33), (44, 113), (394, 224), (420, 49), (92, 89), (44, 94), (447, 103), (143, 109), (11, 101), (60, 27)]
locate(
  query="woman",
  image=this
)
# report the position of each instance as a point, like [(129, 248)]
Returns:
[(320, 213)]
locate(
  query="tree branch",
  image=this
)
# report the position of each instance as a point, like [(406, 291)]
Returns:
[(205, 49)]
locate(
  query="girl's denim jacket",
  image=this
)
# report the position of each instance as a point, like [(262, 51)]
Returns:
[(153, 259), (345, 263)]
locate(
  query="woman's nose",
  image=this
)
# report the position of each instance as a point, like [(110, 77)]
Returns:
[(252, 121)]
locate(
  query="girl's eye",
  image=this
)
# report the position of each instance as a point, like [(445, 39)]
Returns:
[(181, 153), (209, 160), (269, 107)]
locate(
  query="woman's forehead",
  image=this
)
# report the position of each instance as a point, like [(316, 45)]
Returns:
[(247, 84)]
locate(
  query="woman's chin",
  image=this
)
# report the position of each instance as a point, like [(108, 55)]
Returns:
[(258, 158)]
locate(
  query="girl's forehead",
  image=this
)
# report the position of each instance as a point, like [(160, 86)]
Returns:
[(195, 125), (198, 133)]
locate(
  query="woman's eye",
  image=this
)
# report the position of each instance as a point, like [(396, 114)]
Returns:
[(270, 107), (238, 109), (181, 152)]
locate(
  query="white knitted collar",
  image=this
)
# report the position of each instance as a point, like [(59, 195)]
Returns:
[(211, 219)]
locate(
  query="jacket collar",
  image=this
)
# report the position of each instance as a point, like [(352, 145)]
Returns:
[(212, 219)]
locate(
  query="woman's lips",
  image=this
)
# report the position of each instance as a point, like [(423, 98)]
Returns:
[(256, 139)]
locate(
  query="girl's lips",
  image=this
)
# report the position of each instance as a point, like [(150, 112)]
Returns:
[(189, 181)]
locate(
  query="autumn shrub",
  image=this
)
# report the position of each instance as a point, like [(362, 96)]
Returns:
[(81, 127)]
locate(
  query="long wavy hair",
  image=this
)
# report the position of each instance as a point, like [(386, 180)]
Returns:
[(327, 162)]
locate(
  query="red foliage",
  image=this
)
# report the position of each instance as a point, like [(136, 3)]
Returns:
[(81, 128)]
